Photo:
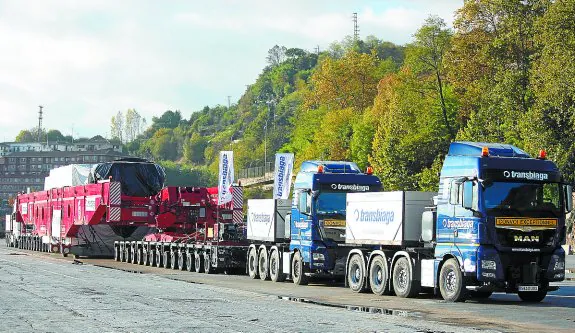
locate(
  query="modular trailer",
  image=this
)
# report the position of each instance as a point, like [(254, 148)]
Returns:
[(496, 224)]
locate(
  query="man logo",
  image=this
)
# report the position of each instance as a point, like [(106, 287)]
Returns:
[(526, 239)]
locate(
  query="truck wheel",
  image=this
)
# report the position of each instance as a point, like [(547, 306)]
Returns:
[(140, 256), (451, 283), (116, 253), (166, 259), (134, 251), (253, 264), (480, 294), (122, 255), (182, 260), (208, 264), (378, 275), (146, 256), (403, 284), (198, 263), (263, 268), (356, 274), (298, 272), (174, 259), (189, 261), (534, 296), (276, 268), (158, 258), (127, 254)]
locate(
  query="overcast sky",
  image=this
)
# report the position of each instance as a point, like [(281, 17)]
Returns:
[(84, 60)]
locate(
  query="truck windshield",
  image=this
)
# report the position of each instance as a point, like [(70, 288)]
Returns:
[(524, 199), (331, 203)]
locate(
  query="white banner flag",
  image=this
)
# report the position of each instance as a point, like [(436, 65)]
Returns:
[(282, 176), (226, 177)]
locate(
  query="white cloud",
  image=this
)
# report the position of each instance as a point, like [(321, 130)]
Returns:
[(85, 60)]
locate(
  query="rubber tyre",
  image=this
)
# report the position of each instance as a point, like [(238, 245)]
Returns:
[(189, 261), (181, 261), (122, 255), (263, 268), (276, 267), (158, 259), (166, 259), (127, 254), (533, 296), (480, 294), (378, 275), (140, 256), (146, 257), (116, 253), (174, 259), (298, 271), (403, 285), (355, 274), (198, 263), (253, 264), (451, 282), (134, 258), (208, 269)]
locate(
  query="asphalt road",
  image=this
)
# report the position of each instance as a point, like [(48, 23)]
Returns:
[(44, 292)]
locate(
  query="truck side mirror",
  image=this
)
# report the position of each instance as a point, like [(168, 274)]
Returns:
[(467, 201), (568, 195), (304, 203)]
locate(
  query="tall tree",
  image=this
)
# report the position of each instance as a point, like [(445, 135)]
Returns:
[(426, 58)]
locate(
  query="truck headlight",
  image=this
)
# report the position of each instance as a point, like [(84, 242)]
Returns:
[(488, 265), (318, 256), (559, 266)]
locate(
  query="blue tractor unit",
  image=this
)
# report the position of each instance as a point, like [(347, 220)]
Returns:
[(306, 237), (497, 224), (501, 215)]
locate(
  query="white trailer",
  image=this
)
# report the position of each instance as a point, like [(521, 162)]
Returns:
[(385, 230), (268, 231)]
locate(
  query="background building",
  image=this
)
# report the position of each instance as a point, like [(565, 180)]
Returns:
[(24, 165)]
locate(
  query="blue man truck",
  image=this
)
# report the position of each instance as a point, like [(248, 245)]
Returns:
[(496, 224)]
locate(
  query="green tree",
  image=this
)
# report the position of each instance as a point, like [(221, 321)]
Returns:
[(25, 136), (194, 149)]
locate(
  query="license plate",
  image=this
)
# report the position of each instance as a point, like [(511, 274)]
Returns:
[(528, 288)]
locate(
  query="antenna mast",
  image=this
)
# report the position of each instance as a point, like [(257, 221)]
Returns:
[(40, 123)]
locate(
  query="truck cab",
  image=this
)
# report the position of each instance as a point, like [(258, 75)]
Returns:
[(318, 213), (501, 215)]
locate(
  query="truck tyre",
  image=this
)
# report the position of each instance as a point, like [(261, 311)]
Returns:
[(146, 256), (158, 258), (298, 271), (189, 261), (166, 259), (208, 264), (276, 268), (122, 255), (403, 283), (451, 282), (356, 274), (126, 254), (174, 259), (198, 263), (116, 253), (181, 260), (140, 257), (134, 251), (378, 275), (263, 268), (253, 264), (534, 296)]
